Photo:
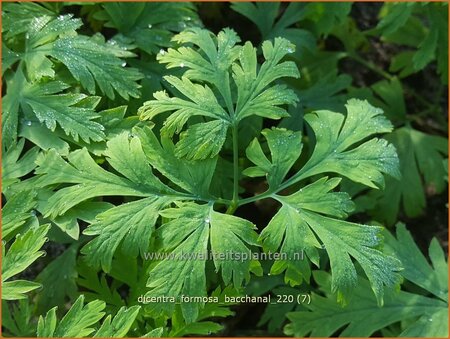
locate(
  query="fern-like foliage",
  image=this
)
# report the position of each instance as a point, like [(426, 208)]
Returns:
[(147, 26), (421, 315), (77, 321), (210, 68), (169, 182), (21, 254), (35, 94)]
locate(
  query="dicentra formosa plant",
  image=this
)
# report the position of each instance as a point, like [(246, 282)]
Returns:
[(223, 84)]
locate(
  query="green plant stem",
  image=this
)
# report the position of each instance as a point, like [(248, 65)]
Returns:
[(235, 201), (306, 172)]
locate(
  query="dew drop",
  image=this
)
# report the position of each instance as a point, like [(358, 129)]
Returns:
[(430, 319), (124, 64), (182, 65), (27, 36), (61, 17), (33, 213), (268, 273), (149, 26), (28, 122), (290, 50), (207, 221), (162, 52)]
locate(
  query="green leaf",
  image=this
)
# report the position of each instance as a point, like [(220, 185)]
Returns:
[(343, 240), (262, 14), (119, 326), (392, 101), (426, 52), (421, 158), (202, 141), (94, 63), (58, 280), (90, 180), (49, 105), (75, 323), (399, 306), (202, 103), (253, 97), (285, 147), (19, 16), (327, 16), (342, 146), (185, 239), (69, 221), (193, 176), (17, 211), (148, 25), (130, 224), (24, 251), (216, 58), (97, 287), (14, 168), (417, 269), (211, 67), (17, 319), (38, 134), (89, 61), (17, 289), (271, 23), (394, 16), (351, 321), (339, 149), (404, 24), (295, 227), (429, 326), (323, 93)]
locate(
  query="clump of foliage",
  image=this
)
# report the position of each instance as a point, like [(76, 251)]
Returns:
[(133, 130)]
